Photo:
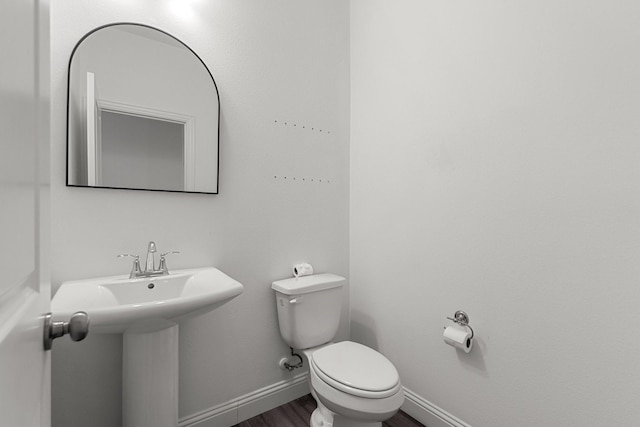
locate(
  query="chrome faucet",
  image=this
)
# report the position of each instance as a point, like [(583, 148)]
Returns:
[(150, 265), (136, 271), (149, 268)]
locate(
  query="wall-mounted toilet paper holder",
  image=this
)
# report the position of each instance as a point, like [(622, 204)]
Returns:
[(461, 318)]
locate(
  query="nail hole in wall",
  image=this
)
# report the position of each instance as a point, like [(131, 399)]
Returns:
[(301, 126), (305, 179)]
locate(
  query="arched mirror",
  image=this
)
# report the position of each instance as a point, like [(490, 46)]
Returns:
[(143, 113)]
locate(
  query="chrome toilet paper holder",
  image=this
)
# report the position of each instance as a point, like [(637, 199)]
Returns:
[(461, 318)]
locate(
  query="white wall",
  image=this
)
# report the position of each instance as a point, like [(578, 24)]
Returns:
[(282, 68), (494, 169)]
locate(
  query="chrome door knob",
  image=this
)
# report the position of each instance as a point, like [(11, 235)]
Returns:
[(77, 327)]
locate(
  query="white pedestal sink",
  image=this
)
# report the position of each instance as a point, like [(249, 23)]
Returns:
[(147, 311)]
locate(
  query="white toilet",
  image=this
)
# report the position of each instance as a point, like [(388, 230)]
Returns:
[(354, 385)]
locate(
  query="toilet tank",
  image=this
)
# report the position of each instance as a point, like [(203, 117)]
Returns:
[(309, 309)]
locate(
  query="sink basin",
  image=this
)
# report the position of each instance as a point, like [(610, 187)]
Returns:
[(117, 303)]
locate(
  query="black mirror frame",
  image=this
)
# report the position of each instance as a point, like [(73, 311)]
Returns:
[(68, 111)]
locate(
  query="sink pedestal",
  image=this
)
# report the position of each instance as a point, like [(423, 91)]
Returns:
[(150, 375)]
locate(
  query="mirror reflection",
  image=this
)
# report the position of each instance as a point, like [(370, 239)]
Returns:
[(143, 113)]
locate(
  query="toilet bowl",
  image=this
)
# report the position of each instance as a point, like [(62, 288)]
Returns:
[(354, 385)]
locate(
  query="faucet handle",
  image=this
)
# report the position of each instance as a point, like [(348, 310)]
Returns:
[(135, 270), (163, 261), (169, 253)]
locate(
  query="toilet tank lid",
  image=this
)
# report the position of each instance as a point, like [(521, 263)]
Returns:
[(305, 284)]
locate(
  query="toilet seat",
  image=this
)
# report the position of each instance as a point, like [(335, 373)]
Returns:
[(362, 410), (356, 370)]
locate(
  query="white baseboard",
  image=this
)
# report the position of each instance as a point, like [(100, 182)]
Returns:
[(249, 405), (428, 413)]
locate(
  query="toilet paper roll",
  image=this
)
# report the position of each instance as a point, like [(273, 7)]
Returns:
[(458, 337), (303, 269)]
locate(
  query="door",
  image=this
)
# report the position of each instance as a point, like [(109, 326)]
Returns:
[(24, 155)]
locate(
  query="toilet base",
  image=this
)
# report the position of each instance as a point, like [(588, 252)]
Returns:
[(323, 417)]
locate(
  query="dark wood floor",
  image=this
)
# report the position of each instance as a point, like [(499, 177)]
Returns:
[(297, 413)]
